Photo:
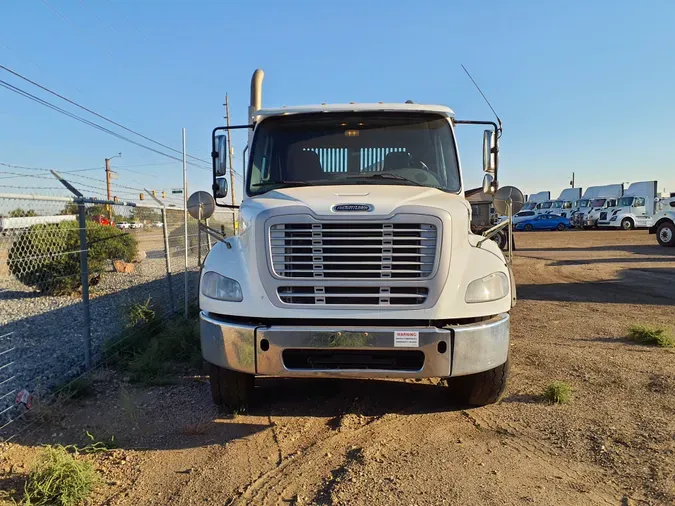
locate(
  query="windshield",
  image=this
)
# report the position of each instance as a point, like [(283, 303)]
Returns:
[(353, 149), (529, 206), (599, 202), (626, 201), (584, 203), (546, 205), (557, 205)]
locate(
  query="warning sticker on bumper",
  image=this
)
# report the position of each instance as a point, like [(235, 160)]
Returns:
[(406, 339)]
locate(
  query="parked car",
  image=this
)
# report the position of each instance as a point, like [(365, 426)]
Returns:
[(158, 224), (123, 225), (545, 222), (519, 217), (136, 224)]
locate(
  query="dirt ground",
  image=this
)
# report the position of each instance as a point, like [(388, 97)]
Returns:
[(353, 442)]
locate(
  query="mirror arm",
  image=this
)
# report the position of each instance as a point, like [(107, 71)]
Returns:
[(488, 234), (498, 133)]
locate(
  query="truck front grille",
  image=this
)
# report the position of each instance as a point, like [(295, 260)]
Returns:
[(347, 250), (354, 295)]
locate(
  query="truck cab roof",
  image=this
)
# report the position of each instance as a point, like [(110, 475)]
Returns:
[(389, 107)]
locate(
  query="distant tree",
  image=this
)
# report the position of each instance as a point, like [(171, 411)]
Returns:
[(70, 208), (144, 214), (20, 213)]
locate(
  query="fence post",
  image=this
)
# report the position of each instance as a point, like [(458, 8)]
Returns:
[(185, 224), (167, 256), (84, 279)]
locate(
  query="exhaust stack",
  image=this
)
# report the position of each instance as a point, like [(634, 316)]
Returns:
[(256, 92)]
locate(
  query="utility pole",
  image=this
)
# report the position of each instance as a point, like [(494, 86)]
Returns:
[(572, 182), (229, 149), (108, 177)]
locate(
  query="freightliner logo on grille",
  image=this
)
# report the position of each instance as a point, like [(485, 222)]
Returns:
[(352, 207)]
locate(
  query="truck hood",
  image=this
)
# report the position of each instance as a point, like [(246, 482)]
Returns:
[(382, 199)]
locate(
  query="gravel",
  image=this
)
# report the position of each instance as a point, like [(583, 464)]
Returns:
[(41, 341)]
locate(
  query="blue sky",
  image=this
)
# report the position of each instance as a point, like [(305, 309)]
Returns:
[(581, 86)]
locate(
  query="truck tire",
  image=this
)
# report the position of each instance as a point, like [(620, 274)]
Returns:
[(231, 390), (665, 234), (500, 239), (481, 388), (627, 224)]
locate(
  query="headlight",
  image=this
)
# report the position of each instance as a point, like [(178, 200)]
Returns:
[(219, 287), (491, 287)]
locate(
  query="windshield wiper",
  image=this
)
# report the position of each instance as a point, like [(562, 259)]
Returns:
[(284, 183), (384, 175)]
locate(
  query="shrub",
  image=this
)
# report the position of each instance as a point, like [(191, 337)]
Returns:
[(59, 479), (558, 392), (47, 256), (645, 334)]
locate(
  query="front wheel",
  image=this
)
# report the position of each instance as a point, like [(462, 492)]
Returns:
[(480, 389), (665, 234), (529, 227), (561, 226), (231, 390), (627, 224)]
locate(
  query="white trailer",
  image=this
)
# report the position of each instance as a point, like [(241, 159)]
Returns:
[(594, 200), (7, 224), (635, 209), (345, 271)]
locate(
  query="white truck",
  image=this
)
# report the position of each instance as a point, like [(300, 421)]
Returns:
[(536, 199), (354, 256), (634, 210), (564, 204), (593, 202), (664, 222)]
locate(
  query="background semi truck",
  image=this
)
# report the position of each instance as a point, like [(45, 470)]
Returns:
[(664, 222), (594, 200), (635, 209), (355, 255)]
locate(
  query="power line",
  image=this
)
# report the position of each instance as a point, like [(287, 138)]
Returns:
[(129, 21), (43, 169), (25, 94), (97, 114)]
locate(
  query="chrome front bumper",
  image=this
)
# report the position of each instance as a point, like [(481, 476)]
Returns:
[(450, 351)]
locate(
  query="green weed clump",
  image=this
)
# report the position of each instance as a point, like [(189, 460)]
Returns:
[(149, 347), (59, 479), (656, 336), (558, 392)]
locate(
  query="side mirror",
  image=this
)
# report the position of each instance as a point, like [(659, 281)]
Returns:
[(220, 188), (220, 156), (489, 152), (488, 184)]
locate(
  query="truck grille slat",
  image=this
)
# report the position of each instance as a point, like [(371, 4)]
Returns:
[(353, 250), (340, 295)]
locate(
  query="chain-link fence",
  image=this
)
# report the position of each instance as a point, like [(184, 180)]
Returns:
[(70, 273)]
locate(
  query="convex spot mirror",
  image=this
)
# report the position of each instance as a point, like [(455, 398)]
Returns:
[(508, 195), (201, 205), (220, 155), (488, 151)]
